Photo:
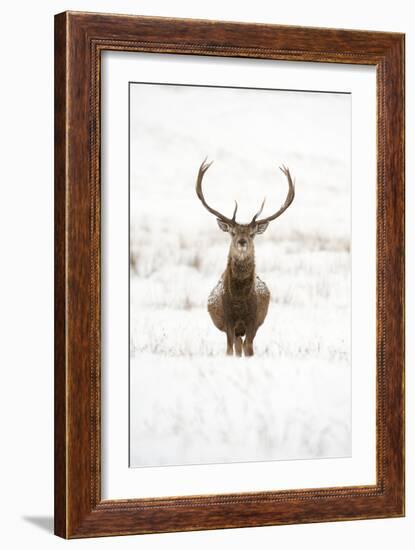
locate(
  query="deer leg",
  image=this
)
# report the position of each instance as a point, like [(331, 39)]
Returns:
[(230, 336), (249, 342), (248, 347), (238, 346)]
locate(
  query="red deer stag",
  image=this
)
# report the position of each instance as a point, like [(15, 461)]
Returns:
[(239, 303)]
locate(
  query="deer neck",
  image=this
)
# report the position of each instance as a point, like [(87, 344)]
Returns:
[(241, 270)]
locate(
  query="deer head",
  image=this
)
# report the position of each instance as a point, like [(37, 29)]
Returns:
[(242, 235)]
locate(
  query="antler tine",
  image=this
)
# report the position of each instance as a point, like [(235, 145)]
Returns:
[(259, 211), (203, 167), (234, 212), (289, 199)]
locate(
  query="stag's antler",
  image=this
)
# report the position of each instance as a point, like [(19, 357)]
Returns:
[(203, 167), (289, 199)]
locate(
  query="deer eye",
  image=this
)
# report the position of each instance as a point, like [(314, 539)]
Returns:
[(252, 235)]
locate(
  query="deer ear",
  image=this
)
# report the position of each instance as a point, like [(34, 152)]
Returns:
[(223, 225), (261, 227)]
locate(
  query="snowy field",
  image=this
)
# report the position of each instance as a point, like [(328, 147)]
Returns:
[(190, 403)]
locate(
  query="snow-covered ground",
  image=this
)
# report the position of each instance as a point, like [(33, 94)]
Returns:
[(190, 403)]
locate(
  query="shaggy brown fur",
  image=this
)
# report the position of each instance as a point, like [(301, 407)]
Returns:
[(238, 304)]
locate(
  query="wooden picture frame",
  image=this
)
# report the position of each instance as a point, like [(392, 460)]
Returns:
[(79, 40)]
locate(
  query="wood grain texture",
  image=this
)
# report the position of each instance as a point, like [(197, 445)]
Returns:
[(79, 39), (60, 277)]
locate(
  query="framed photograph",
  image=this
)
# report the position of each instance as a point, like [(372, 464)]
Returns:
[(229, 274)]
